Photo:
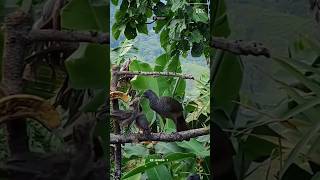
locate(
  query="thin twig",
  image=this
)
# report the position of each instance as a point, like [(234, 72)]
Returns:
[(173, 137), (155, 74), (68, 36)]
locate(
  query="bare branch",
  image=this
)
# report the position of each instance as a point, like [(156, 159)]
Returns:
[(155, 74), (240, 47), (178, 136), (68, 36)]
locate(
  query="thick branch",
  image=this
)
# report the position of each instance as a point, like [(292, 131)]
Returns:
[(155, 74), (68, 36), (178, 136), (117, 130), (240, 47), (17, 26)]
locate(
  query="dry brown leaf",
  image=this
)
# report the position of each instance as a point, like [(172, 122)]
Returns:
[(29, 106), (119, 95)]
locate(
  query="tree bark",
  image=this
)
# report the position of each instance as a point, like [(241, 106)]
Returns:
[(17, 26)]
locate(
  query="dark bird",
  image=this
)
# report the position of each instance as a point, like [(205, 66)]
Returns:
[(167, 107), (125, 118), (142, 123), (223, 152), (194, 177)]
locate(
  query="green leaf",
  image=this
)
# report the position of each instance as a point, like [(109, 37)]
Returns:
[(142, 28), (135, 150), (79, 15), (160, 24), (313, 86), (164, 38), (312, 132), (159, 172), (116, 30), (166, 148), (218, 11), (176, 4), (159, 9), (176, 27), (102, 17), (161, 62), (115, 2), (88, 66), (148, 165), (143, 82), (227, 82), (195, 147), (199, 15), (196, 36), (197, 49), (130, 32)]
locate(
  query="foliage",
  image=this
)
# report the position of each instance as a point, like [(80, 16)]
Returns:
[(183, 31), (185, 25), (88, 69), (288, 135)]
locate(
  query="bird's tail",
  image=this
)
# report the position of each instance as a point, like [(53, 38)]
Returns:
[(181, 124)]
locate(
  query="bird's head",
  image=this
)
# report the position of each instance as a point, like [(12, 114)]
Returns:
[(149, 94)]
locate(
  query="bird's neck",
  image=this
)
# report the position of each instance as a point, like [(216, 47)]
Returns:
[(154, 99)]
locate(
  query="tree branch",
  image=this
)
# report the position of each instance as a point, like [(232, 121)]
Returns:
[(178, 136), (240, 47), (16, 26), (68, 36), (155, 74), (117, 130)]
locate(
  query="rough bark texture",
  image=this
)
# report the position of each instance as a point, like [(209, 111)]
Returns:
[(17, 26), (117, 130), (173, 137)]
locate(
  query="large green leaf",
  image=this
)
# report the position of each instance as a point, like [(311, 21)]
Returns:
[(218, 12), (135, 150), (166, 148), (81, 15), (151, 164), (195, 147), (87, 66), (159, 172), (101, 13), (199, 15), (130, 32), (176, 4), (227, 83), (296, 73), (143, 82)]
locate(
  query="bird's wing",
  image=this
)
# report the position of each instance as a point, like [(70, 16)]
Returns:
[(170, 104), (120, 114)]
